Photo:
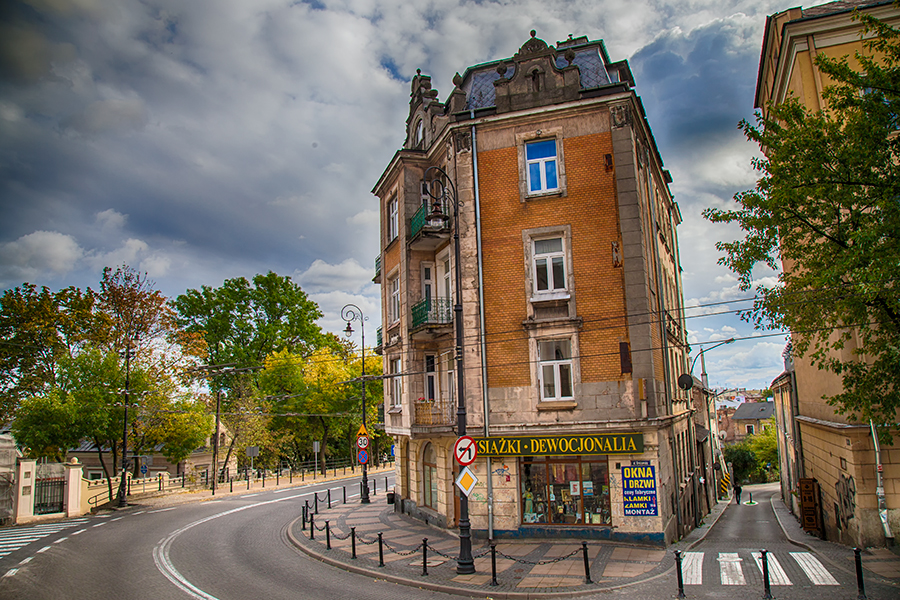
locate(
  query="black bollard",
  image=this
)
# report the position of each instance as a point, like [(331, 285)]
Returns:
[(385, 484), (291, 476), (248, 481), (860, 585), (327, 535), (231, 484), (380, 550), (751, 498), (312, 527), (353, 542), (345, 493), (277, 478), (587, 563), (264, 478), (329, 497), (494, 565), (316, 497), (680, 576), (424, 556), (767, 594), (303, 513)]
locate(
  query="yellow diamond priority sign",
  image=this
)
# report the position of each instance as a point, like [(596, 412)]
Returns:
[(466, 481)]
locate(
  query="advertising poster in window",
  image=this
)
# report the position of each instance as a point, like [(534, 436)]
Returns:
[(639, 489)]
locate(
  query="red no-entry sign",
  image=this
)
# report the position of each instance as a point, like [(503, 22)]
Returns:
[(465, 451)]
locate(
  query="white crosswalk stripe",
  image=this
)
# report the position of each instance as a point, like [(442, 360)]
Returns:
[(777, 576), (816, 572), (692, 566), (16, 537), (731, 571)]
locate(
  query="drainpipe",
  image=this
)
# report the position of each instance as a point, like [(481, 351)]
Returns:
[(879, 490), (483, 340)]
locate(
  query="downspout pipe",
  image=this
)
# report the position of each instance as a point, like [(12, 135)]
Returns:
[(879, 490), (481, 325)]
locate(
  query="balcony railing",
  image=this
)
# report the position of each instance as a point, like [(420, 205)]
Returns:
[(420, 219), (377, 267), (434, 413), (378, 337), (434, 311)]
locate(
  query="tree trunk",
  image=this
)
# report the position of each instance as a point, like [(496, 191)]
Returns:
[(105, 470), (324, 444), (230, 449)]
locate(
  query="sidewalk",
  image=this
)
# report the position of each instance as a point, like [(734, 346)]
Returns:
[(882, 564), (527, 568)]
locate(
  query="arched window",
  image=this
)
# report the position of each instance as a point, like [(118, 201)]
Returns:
[(429, 467), (420, 133)]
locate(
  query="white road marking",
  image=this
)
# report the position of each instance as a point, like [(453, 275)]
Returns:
[(282, 490), (80, 531), (159, 510), (140, 512), (816, 572), (99, 524), (118, 519), (42, 550), (692, 568), (250, 495), (25, 561), (62, 539), (11, 572), (730, 569), (777, 576)]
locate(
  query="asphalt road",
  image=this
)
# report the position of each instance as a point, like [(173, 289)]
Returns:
[(229, 549), (235, 548)]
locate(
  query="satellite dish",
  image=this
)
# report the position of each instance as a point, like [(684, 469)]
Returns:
[(685, 381)]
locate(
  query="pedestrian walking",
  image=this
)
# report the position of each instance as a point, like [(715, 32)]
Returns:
[(737, 493)]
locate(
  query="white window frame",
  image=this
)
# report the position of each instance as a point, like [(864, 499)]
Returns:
[(548, 258), (393, 300), (543, 186), (541, 135), (529, 239), (396, 385), (750, 430), (393, 219), (556, 368), (431, 378)]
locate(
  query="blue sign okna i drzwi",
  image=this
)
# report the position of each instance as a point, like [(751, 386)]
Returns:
[(639, 489)]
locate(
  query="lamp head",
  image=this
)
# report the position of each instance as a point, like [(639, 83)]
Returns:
[(349, 330)]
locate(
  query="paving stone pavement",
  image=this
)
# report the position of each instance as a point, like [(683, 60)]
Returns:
[(524, 568)]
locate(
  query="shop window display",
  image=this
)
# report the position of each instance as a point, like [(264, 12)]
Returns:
[(565, 491)]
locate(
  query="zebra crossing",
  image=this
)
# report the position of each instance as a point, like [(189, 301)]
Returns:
[(731, 568), (13, 538)]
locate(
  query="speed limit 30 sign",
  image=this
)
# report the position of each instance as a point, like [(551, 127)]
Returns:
[(465, 451)]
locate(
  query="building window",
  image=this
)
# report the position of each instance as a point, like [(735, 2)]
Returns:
[(556, 369), (430, 378), (394, 300), (393, 219), (429, 464), (420, 133), (566, 491), (549, 265), (394, 369), (749, 429), (540, 164)]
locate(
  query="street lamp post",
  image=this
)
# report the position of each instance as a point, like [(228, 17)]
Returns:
[(352, 312), (439, 189)]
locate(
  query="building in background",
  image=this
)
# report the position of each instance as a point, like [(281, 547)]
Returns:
[(836, 468), (572, 304)]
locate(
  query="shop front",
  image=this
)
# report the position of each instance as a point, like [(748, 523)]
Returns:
[(576, 485)]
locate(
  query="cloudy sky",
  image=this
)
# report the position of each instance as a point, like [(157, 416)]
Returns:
[(210, 139)]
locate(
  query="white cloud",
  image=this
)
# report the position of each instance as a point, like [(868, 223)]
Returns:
[(111, 220), (39, 254), (129, 253), (324, 277)]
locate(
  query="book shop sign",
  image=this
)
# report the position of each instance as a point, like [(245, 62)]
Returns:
[(639, 489)]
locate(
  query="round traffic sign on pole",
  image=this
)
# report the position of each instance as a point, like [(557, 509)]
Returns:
[(362, 442), (465, 451)]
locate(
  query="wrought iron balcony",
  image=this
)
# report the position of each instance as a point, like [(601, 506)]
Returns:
[(424, 235), (377, 278), (434, 413), (378, 341), (433, 311)]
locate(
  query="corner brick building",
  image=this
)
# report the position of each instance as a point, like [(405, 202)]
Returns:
[(572, 305)]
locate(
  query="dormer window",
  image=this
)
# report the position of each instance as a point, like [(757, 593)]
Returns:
[(420, 134)]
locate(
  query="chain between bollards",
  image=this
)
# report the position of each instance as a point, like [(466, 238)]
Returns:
[(860, 585), (678, 554), (767, 595)]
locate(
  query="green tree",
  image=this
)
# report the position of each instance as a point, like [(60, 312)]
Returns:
[(38, 328), (46, 425), (742, 459), (243, 322), (827, 205)]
